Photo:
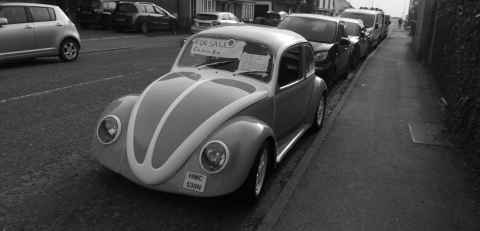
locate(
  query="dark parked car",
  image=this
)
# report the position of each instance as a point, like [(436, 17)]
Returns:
[(356, 33), (329, 40), (271, 18), (95, 13), (142, 17)]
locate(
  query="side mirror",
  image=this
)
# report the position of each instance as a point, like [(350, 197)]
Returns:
[(344, 41), (3, 21)]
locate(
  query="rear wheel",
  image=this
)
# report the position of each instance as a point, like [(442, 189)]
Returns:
[(144, 28), (320, 112), (69, 50), (253, 187)]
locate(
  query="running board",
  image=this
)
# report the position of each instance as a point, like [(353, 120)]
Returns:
[(286, 147)]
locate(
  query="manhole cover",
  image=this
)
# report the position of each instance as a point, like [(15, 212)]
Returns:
[(428, 133)]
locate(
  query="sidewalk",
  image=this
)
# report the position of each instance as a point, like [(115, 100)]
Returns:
[(368, 174)]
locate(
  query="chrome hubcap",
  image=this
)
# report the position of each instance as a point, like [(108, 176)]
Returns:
[(70, 50), (320, 111), (261, 172)]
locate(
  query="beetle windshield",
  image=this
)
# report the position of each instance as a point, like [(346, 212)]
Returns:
[(368, 19), (314, 30), (239, 57)]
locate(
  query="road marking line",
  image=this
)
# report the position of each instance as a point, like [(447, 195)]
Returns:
[(112, 37), (105, 50), (59, 89)]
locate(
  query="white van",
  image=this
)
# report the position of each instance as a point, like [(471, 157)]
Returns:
[(373, 21)]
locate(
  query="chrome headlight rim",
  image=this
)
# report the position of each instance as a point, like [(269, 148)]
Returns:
[(115, 138), (227, 156)]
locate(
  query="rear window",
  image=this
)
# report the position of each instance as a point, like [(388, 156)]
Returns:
[(42, 14), (368, 19), (127, 8), (206, 17), (314, 30), (14, 14)]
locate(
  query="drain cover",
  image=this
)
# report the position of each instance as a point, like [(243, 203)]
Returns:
[(428, 133)]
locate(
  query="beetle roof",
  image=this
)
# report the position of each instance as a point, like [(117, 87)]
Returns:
[(25, 4), (273, 37)]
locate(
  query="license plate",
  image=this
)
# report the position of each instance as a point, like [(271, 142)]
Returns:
[(195, 182)]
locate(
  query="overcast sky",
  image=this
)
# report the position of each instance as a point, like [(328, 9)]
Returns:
[(396, 8)]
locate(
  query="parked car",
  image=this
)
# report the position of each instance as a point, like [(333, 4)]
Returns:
[(203, 21), (330, 42), (356, 33), (95, 13), (142, 17), (372, 19), (386, 26), (235, 101), (271, 18), (30, 30)]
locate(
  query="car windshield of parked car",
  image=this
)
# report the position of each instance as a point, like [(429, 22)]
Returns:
[(314, 30), (206, 17), (239, 57), (352, 29), (126, 8), (368, 19)]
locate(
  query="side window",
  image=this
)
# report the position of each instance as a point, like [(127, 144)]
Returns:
[(14, 14), (149, 9), (309, 59), (290, 66), (341, 31), (40, 14), (53, 16), (159, 11)]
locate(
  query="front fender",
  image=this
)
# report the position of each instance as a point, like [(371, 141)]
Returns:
[(244, 137), (111, 155)]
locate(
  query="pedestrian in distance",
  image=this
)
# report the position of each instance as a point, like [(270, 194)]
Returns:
[(400, 21)]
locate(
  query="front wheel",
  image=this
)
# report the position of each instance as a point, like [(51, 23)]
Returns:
[(319, 117), (253, 187), (69, 50)]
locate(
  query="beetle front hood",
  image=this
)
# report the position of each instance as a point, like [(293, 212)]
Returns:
[(173, 117)]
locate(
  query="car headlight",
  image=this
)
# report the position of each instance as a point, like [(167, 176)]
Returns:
[(214, 156), (108, 129), (321, 56)]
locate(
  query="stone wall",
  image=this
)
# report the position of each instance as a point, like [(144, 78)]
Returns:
[(448, 41)]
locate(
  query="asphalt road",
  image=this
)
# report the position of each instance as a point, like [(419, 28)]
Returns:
[(48, 180)]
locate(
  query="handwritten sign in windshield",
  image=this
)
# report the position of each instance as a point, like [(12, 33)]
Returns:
[(222, 48)]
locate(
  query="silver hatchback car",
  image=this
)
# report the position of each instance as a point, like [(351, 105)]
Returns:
[(30, 30)]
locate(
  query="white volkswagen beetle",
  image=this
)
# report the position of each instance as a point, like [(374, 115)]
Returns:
[(235, 101)]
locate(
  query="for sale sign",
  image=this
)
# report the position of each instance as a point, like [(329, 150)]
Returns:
[(222, 48)]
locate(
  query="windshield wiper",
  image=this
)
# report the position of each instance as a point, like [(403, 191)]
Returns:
[(201, 66)]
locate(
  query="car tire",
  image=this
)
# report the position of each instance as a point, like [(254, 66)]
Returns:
[(254, 187), (144, 28), (69, 50), (320, 112)]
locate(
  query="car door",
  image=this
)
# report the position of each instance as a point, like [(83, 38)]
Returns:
[(17, 37), (46, 28), (343, 50), (151, 17), (162, 17), (291, 91)]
